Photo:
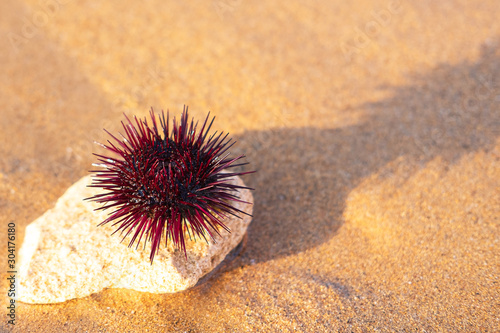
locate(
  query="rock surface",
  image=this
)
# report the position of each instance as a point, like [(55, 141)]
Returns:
[(65, 255)]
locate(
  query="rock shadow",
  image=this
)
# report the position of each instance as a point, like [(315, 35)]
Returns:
[(306, 174)]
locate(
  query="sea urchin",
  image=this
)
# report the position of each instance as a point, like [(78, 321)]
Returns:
[(167, 182)]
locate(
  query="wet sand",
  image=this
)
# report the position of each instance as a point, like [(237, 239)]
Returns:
[(374, 127)]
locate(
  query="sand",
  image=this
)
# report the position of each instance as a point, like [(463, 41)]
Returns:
[(374, 127)]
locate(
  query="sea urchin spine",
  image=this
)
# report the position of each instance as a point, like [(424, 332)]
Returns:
[(167, 182)]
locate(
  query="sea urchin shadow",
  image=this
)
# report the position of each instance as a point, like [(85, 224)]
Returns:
[(306, 174)]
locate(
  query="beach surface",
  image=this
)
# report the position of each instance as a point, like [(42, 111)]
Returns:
[(373, 126)]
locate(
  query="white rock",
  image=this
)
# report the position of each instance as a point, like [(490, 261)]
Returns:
[(65, 255)]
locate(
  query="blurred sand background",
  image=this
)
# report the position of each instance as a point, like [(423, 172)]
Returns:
[(374, 127)]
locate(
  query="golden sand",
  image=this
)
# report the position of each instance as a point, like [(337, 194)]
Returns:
[(374, 126)]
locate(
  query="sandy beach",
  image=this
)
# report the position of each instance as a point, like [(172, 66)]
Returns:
[(373, 126)]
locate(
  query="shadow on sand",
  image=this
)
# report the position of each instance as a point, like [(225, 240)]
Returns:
[(305, 174)]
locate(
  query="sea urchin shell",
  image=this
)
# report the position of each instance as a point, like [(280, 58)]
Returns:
[(167, 182)]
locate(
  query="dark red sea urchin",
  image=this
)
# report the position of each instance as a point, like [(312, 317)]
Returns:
[(167, 183)]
